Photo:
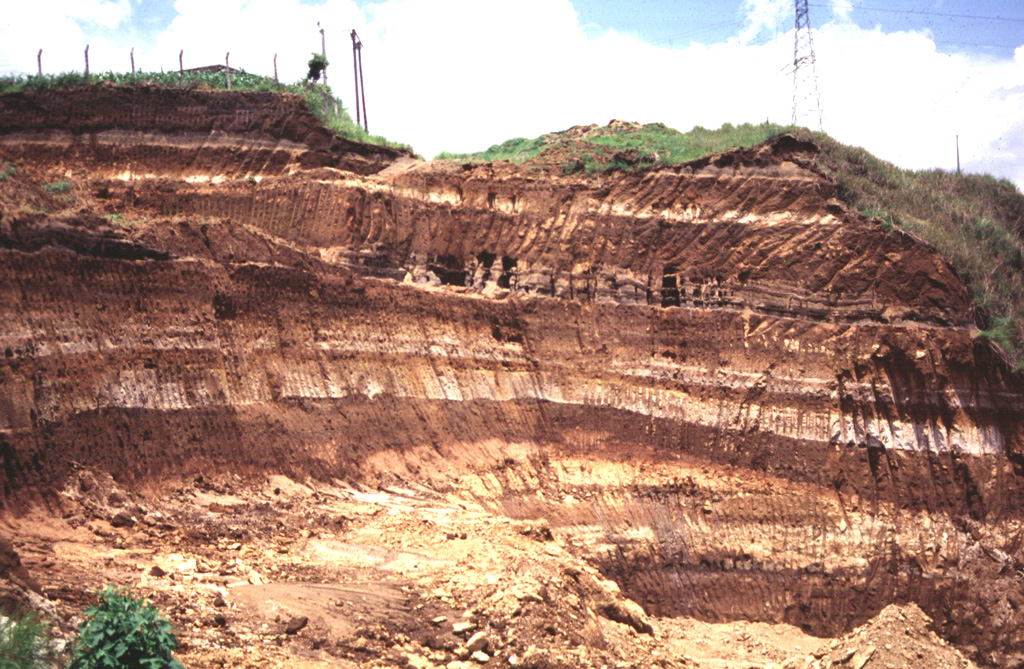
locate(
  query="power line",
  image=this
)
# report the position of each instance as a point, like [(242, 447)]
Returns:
[(995, 46), (698, 31), (914, 12)]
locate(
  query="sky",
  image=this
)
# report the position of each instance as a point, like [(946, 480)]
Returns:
[(902, 78)]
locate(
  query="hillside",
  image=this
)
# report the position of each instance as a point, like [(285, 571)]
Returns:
[(705, 414), (974, 221)]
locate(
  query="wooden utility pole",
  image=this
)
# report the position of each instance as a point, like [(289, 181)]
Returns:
[(39, 61), (323, 50), (275, 71), (362, 93), (227, 68), (181, 67), (958, 155), (131, 54), (355, 72), (86, 61)]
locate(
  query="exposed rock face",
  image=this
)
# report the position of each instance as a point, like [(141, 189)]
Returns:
[(733, 395)]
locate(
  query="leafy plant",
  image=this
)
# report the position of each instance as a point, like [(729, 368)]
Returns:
[(24, 642), (123, 631), (8, 171), (317, 64), (57, 188)]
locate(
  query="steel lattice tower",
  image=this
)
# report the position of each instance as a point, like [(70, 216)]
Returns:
[(806, 99)]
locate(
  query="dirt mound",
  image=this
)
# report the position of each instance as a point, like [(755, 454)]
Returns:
[(900, 636)]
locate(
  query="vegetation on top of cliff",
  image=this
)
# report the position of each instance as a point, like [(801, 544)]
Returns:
[(976, 222), (621, 145), (331, 113)]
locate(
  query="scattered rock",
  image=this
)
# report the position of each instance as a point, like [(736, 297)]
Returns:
[(463, 627), (157, 571), (862, 657), (478, 641), (123, 519), (296, 624), (627, 612), (481, 657)]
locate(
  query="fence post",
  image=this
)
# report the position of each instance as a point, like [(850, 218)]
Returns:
[(39, 61), (86, 61), (181, 68), (227, 70)]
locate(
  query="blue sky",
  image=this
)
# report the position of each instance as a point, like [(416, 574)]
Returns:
[(678, 23), (900, 77)]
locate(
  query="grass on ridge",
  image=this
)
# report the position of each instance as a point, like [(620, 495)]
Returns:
[(974, 221), (336, 118), (594, 148)]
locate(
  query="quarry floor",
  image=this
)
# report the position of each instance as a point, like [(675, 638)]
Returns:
[(399, 576)]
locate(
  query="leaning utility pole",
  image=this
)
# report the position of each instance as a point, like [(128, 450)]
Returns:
[(806, 99), (357, 71)]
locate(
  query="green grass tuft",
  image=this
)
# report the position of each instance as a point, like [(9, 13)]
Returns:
[(57, 188), (25, 642)]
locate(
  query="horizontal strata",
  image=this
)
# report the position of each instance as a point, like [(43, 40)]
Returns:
[(735, 396), (698, 237)]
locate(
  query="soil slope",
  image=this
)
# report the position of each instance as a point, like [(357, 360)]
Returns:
[(710, 390)]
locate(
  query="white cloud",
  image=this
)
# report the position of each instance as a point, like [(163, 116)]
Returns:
[(461, 75), (763, 15), (841, 8)]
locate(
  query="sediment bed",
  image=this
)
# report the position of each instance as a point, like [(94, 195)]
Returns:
[(714, 383)]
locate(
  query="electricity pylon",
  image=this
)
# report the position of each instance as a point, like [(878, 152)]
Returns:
[(806, 99)]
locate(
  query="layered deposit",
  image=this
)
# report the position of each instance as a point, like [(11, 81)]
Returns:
[(717, 390)]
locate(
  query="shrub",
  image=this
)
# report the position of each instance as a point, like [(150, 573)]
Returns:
[(317, 64), (124, 632), (24, 643)]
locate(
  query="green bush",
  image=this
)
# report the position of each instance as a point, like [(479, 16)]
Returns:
[(123, 632), (24, 643), (317, 64)]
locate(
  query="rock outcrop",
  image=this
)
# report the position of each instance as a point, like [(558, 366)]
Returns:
[(734, 396)]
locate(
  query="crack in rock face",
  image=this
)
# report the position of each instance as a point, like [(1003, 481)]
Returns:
[(709, 392)]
